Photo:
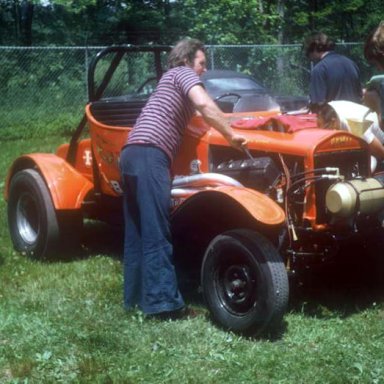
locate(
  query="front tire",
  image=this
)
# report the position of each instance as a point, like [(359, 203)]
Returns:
[(245, 283), (32, 219)]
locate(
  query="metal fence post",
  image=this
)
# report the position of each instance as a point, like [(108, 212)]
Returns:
[(86, 58), (212, 56)]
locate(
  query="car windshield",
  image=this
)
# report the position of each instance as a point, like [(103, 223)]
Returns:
[(232, 84)]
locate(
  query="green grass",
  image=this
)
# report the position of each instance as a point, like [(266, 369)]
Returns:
[(63, 322), (32, 121)]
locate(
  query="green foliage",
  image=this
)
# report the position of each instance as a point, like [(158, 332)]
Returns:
[(29, 122), (76, 5), (46, 96), (56, 70), (232, 22), (103, 22), (343, 20)]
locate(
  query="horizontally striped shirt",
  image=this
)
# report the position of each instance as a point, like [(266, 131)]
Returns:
[(165, 116)]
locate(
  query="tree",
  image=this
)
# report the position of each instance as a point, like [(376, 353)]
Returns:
[(101, 22), (232, 22), (16, 16), (343, 20)]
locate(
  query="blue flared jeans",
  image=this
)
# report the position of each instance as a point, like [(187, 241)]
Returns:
[(149, 274)]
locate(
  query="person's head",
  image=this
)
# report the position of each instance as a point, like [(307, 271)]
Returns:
[(189, 52), (374, 47), (316, 44), (327, 118)]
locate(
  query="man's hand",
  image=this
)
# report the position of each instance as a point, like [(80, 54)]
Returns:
[(238, 141)]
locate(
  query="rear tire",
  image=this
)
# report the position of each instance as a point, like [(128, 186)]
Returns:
[(245, 283), (33, 223)]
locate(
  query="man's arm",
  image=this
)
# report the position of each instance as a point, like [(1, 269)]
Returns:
[(377, 149), (214, 116), (371, 99)]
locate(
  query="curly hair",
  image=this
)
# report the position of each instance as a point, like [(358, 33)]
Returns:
[(374, 45), (318, 41), (184, 52), (327, 117)]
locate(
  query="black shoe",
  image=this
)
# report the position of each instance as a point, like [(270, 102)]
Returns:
[(179, 314)]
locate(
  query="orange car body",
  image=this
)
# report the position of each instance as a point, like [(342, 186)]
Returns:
[(69, 184)]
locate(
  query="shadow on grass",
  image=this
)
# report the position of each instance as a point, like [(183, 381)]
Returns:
[(339, 290), (97, 238), (102, 239)]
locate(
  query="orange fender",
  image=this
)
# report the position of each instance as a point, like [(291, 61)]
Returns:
[(67, 186), (259, 206)]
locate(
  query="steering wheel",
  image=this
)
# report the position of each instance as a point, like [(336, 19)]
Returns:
[(228, 94), (227, 105)]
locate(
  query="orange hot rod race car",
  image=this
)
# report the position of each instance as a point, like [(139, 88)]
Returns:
[(244, 221)]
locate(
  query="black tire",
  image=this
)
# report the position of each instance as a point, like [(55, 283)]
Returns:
[(245, 283), (32, 219)]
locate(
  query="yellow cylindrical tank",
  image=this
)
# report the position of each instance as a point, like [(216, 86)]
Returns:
[(346, 198)]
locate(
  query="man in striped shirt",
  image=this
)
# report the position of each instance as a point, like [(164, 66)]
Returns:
[(149, 274)]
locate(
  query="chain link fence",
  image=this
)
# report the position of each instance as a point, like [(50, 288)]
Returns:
[(45, 88)]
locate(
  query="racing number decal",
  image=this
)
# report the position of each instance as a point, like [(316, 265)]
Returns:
[(87, 157)]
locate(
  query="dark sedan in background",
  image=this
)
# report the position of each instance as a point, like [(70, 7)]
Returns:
[(238, 92)]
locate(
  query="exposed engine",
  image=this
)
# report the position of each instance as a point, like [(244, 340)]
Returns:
[(344, 198)]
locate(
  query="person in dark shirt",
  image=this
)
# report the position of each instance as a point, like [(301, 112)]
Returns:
[(334, 76)]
